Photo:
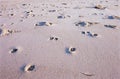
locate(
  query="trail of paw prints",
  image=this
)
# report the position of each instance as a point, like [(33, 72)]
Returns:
[(85, 23), (6, 32), (53, 38), (90, 34)]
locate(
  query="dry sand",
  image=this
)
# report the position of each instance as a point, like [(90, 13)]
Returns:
[(59, 39)]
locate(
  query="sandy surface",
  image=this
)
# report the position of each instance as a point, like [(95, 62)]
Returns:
[(41, 33)]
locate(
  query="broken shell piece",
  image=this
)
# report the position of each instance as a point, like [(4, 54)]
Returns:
[(44, 24), (111, 26), (72, 50), (29, 68)]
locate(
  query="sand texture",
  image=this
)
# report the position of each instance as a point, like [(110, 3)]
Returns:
[(59, 39)]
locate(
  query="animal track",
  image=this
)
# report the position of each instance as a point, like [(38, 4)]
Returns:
[(89, 34), (110, 26), (53, 38), (71, 50), (29, 68), (44, 24), (84, 24), (4, 32), (99, 7), (15, 50)]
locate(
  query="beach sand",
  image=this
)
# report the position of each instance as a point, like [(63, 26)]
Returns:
[(59, 39)]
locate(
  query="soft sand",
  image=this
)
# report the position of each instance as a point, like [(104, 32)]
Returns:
[(22, 42)]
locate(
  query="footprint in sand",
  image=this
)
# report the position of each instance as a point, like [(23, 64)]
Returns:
[(114, 17), (29, 68), (99, 7), (15, 50), (5, 32), (52, 11), (110, 26), (61, 17), (44, 24), (90, 34), (71, 50), (85, 24), (54, 38)]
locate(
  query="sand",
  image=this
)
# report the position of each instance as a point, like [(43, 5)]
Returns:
[(59, 39)]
